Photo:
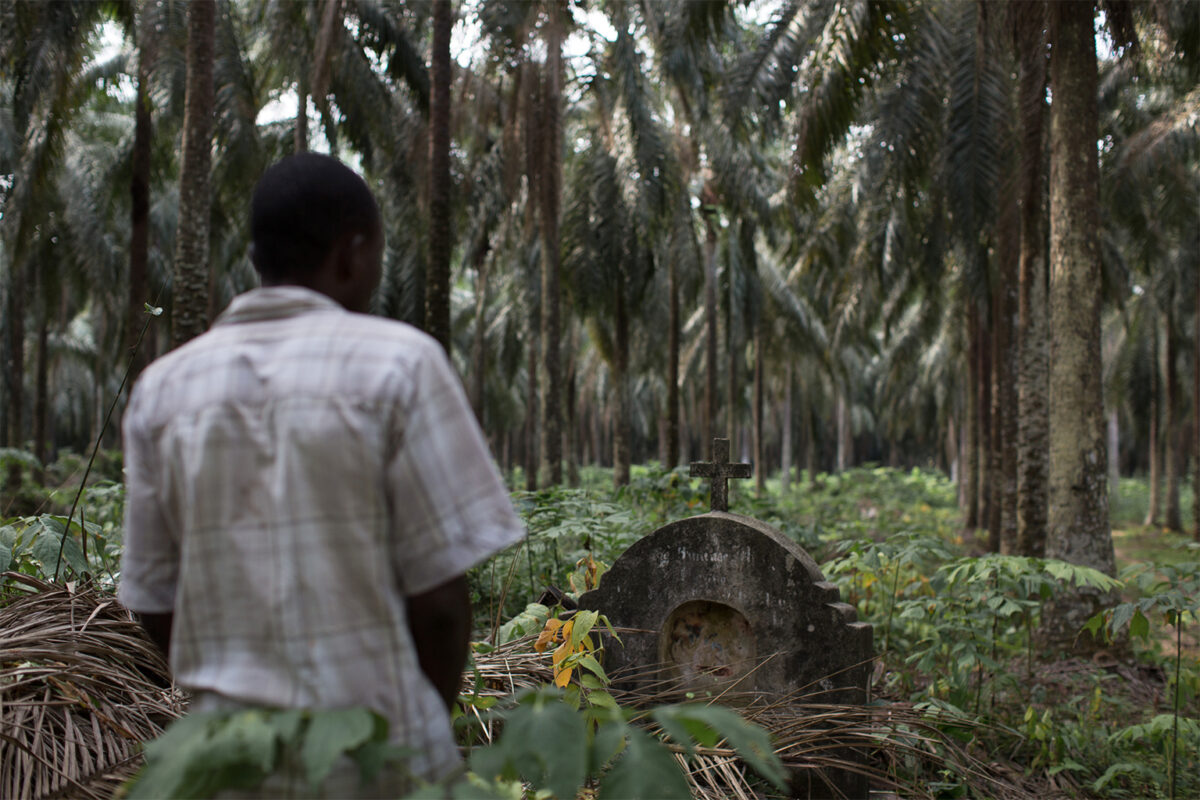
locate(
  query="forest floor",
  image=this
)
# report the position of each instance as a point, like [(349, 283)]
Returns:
[(953, 623)]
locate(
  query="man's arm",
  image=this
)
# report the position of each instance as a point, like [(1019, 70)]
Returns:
[(440, 621), (158, 626)]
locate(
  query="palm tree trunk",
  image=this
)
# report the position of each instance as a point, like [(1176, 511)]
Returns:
[(1114, 451), (300, 140), (1175, 450), (1155, 449), (16, 372), (672, 454), (40, 404), (1196, 423), (437, 280), (479, 344), (995, 489), (621, 423), (971, 444), (984, 388), (1033, 388), (1008, 236), (551, 190), (530, 462), (733, 346), (951, 442), (841, 424), (760, 462), (785, 455), (1078, 529), (571, 430), (710, 333), (810, 443), (139, 193), (189, 315)]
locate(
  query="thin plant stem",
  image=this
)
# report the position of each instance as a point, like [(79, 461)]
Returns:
[(82, 535), (887, 632), (512, 571), (1029, 647), (96, 449), (1175, 715), (529, 562)]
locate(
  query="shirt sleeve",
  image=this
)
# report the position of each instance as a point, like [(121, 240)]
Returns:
[(150, 561), (450, 509)]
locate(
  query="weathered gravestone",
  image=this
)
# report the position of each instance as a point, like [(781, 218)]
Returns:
[(721, 604)]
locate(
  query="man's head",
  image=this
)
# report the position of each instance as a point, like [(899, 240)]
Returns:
[(314, 223)]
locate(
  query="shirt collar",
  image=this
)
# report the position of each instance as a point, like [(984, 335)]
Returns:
[(275, 302)]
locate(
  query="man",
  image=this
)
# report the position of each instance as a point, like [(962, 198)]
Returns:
[(306, 485)]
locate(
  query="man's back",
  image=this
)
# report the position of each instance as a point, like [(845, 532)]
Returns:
[(312, 468)]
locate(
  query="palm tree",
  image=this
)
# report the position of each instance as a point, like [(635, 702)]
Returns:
[(437, 282), (139, 239), (42, 54), (1078, 527), (550, 196), (1029, 42), (191, 280)]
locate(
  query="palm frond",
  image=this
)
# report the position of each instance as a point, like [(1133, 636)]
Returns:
[(857, 37), (81, 687)]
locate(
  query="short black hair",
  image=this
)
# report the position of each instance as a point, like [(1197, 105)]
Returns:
[(302, 206)]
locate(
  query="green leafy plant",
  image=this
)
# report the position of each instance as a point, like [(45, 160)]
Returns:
[(37, 545), (548, 745), (1170, 593), (202, 754)]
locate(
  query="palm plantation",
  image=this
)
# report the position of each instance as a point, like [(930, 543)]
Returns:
[(855, 238)]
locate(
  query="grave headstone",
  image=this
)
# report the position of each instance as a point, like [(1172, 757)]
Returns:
[(721, 604)]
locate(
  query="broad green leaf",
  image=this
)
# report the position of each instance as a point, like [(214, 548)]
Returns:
[(646, 770), (204, 753), (1139, 626), (52, 524), (331, 734), (584, 622), (287, 725), (1094, 624), (608, 743), (1121, 615), (604, 699), (245, 739), (546, 743), (376, 754), (592, 665), (88, 525), (45, 550), (6, 555), (751, 742), (591, 682)]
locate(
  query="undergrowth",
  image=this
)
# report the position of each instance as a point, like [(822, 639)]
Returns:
[(956, 628)]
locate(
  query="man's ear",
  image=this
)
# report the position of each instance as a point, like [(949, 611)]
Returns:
[(346, 253)]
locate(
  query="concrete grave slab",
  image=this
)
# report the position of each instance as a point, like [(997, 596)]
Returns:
[(722, 604)]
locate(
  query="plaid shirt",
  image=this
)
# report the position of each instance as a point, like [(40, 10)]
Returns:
[(292, 475)]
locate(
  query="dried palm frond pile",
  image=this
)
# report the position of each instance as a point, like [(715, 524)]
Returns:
[(80, 688), (897, 746)]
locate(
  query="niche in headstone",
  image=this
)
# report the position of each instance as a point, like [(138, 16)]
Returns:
[(721, 604)]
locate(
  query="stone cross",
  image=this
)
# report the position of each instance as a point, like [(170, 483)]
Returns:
[(720, 470)]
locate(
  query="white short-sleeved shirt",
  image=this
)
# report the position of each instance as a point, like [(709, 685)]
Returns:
[(292, 475)]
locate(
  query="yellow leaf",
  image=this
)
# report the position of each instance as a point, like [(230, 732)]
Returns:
[(547, 635), (562, 652), (563, 677)]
